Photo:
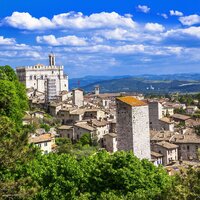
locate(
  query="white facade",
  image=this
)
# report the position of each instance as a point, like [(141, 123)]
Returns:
[(36, 76)]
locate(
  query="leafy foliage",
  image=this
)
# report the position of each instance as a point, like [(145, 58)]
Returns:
[(13, 99), (14, 153), (45, 126), (100, 176), (186, 185)]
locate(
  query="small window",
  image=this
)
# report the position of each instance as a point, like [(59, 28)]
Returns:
[(68, 135), (31, 77), (45, 144), (188, 148), (39, 145), (46, 152), (77, 137), (52, 72)]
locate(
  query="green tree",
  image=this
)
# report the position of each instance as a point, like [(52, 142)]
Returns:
[(186, 185), (9, 101), (64, 145), (98, 176), (14, 153), (13, 99), (7, 73), (86, 139), (45, 126)]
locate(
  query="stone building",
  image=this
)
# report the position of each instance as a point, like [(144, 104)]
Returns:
[(36, 76), (132, 126), (168, 150), (110, 142), (101, 128), (180, 118), (66, 131), (46, 142), (155, 113), (77, 97), (189, 146), (82, 128), (156, 158), (97, 90), (94, 114), (157, 121)]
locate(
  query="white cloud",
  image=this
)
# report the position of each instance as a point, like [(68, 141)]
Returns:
[(190, 20), (143, 8), (111, 49), (154, 27), (61, 41), (71, 20), (116, 34), (24, 20), (183, 33), (7, 41), (163, 15), (175, 13)]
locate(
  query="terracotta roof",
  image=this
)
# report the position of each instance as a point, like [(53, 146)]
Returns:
[(64, 127), (166, 120), (167, 145), (161, 135), (181, 117), (77, 112), (84, 126), (155, 154), (98, 123), (131, 101), (41, 138), (186, 139)]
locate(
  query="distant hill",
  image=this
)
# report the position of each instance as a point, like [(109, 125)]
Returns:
[(184, 83), (81, 82)]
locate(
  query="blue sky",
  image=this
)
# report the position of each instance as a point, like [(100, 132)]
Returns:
[(102, 37)]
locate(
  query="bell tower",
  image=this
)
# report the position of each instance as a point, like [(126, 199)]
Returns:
[(52, 60)]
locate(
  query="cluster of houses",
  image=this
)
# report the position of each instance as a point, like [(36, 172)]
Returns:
[(118, 121)]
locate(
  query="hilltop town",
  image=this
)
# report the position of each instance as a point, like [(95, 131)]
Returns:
[(163, 130)]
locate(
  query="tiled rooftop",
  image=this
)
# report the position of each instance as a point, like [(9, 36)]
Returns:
[(40, 138), (167, 145)]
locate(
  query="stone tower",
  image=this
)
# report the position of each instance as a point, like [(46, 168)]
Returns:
[(155, 113), (133, 126), (52, 60), (96, 90), (77, 97)]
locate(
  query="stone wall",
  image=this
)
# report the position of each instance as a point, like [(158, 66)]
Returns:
[(133, 129)]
